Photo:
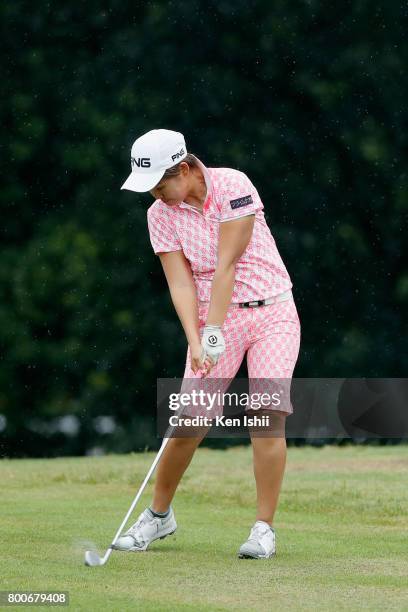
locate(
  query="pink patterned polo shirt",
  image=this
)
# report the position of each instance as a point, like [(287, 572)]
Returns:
[(260, 272)]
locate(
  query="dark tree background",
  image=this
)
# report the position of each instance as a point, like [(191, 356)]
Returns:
[(307, 98)]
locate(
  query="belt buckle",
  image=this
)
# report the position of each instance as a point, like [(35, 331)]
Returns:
[(252, 304)]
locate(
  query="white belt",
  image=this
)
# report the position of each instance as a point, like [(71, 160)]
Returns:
[(272, 300)]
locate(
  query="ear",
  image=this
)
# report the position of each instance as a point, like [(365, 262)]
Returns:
[(184, 168)]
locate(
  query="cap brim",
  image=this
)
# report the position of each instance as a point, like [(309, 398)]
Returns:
[(142, 182)]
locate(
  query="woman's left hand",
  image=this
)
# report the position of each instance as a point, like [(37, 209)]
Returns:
[(213, 343)]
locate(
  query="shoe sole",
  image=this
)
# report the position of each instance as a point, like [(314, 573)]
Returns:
[(165, 536), (244, 556)]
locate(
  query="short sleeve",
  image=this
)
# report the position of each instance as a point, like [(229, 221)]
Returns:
[(240, 198), (163, 236)]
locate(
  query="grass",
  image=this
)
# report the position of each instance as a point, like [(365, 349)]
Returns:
[(341, 527)]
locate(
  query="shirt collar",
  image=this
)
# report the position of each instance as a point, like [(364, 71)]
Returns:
[(208, 182)]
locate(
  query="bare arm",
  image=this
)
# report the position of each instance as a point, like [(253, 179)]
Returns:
[(183, 292), (234, 238)]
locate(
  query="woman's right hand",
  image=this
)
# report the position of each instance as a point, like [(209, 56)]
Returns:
[(196, 351)]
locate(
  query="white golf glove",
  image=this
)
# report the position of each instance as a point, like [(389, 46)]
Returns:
[(213, 342)]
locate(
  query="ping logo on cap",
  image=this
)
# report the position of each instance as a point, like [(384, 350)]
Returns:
[(177, 155), (140, 162)]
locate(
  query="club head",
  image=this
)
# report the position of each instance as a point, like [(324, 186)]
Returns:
[(92, 558)]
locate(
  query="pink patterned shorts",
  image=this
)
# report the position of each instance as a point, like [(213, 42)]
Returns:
[(268, 335)]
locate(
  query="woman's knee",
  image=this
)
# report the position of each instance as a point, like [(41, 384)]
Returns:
[(270, 423), (184, 436)]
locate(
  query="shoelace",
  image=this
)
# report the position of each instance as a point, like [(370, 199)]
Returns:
[(133, 530), (257, 532)]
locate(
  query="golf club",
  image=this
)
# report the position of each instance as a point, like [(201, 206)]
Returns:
[(92, 559)]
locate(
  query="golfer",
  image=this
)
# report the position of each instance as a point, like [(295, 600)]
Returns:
[(232, 294)]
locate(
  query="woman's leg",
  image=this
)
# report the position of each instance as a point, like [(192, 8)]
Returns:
[(271, 361), (269, 457), (179, 450), (174, 461)]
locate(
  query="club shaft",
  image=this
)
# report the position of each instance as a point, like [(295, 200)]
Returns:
[(142, 488), (139, 493)]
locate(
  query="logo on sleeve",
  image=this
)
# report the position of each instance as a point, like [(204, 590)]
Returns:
[(239, 202)]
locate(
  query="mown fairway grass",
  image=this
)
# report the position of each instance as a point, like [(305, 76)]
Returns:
[(341, 525)]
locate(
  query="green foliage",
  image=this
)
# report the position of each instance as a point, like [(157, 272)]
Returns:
[(308, 101)]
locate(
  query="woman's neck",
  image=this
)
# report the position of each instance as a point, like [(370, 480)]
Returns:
[(198, 191)]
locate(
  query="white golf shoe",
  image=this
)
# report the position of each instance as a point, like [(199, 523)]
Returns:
[(146, 530), (260, 544)]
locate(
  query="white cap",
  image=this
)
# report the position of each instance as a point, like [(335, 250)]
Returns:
[(151, 155)]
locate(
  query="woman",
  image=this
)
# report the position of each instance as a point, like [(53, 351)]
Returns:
[(233, 296)]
